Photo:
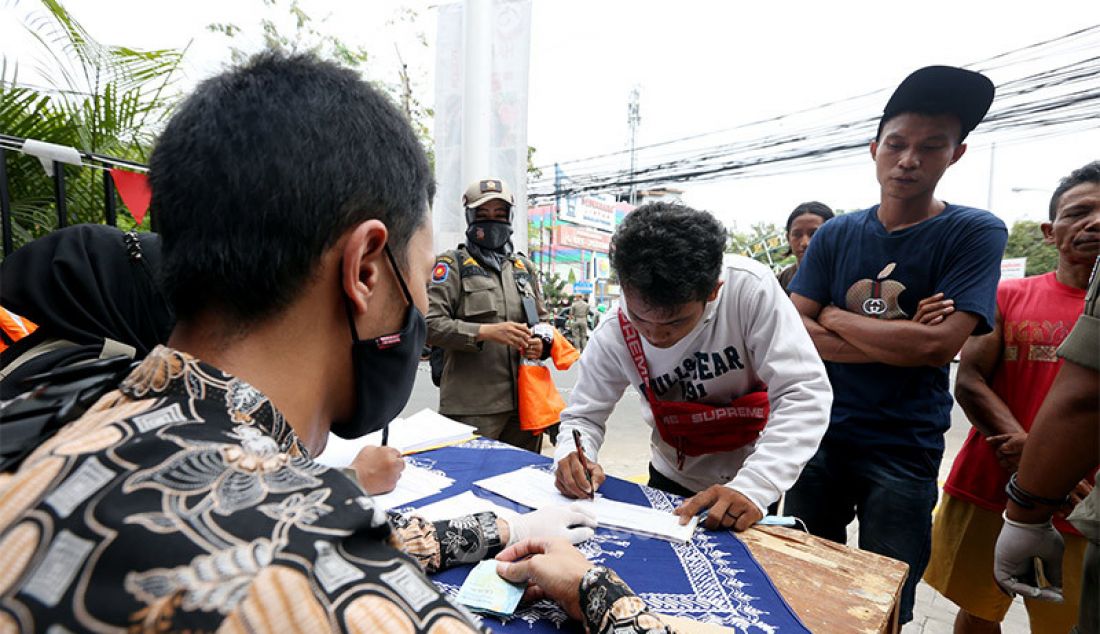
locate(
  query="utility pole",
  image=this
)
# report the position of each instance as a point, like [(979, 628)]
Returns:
[(553, 217), (633, 118), (406, 85), (989, 193)]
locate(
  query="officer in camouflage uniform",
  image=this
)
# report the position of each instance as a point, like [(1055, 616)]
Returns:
[(483, 300), (579, 314)]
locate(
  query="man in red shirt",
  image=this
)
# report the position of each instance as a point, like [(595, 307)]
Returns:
[(1003, 378)]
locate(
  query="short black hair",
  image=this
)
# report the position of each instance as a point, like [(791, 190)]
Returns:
[(1088, 174), (263, 168), (669, 253), (812, 207)]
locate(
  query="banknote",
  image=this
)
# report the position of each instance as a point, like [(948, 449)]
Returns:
[(485, 591)]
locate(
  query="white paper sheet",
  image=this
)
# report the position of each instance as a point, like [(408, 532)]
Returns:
[(535, 488), (423, 430), (340, 453), (415, 484), (466, 503)]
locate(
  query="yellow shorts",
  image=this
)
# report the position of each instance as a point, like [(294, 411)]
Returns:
[(961, 568)]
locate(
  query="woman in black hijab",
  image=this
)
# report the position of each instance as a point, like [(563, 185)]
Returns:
[(93, 292)]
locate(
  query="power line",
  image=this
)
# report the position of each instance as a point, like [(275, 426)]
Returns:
[(1094, 29), (1062, 97)]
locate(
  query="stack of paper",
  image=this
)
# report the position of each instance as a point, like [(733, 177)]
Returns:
[(415, 484), (535, 488), (423, 430)]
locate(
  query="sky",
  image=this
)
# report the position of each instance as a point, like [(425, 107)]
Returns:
[(700, 67)]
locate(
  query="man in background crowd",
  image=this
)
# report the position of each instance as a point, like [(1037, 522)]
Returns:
[(859, 289), (1060, 449), (1002, 380), (579, 312)]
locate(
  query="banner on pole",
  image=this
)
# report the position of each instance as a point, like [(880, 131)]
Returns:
[(511, 44)]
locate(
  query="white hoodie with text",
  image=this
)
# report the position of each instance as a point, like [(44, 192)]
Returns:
[(749, 334)]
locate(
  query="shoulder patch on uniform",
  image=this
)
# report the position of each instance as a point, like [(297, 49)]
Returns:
[(473, 271), (520, 265), (446, 259), (441, 272), (469, 261)]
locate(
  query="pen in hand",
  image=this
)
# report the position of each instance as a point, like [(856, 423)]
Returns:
[(584, 462)]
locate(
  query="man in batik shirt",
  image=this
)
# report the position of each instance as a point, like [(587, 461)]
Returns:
[(292, 199)]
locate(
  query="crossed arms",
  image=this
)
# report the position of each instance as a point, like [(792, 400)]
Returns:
[(932, 337)]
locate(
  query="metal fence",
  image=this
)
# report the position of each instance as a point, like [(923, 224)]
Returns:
[(57, 156)]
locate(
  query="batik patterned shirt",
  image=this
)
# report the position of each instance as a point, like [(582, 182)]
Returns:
[(184, 501)]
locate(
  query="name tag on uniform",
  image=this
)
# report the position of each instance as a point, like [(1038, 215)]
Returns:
[(530, 311)]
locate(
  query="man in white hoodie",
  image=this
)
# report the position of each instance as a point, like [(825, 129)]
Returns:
[(730, 382)]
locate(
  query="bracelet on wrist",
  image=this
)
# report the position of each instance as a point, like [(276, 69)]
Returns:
[(1026, 499)]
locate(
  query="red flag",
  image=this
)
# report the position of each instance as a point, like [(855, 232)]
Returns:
[(133, 188)]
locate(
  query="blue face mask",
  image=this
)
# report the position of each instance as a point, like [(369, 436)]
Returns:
[(385, 368)]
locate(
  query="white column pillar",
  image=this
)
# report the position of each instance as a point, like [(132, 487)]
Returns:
[(477, 27)]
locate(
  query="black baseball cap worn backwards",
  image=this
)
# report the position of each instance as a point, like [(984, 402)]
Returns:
[(942, 89)]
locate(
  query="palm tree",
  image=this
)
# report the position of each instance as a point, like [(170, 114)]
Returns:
[(99, 98)]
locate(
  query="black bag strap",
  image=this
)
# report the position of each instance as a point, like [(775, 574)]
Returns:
[(57, 398)]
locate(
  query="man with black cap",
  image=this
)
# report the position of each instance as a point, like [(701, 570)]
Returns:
[(887, 351), (483, 301)]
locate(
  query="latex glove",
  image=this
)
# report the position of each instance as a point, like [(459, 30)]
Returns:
[(1013, 565), (575, 523)]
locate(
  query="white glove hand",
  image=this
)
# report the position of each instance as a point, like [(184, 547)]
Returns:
[(575, 522), (1013, 565)]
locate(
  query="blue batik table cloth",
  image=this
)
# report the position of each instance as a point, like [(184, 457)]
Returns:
[(712, 578)]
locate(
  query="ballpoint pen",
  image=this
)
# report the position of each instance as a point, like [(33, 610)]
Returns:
[(584, 461)]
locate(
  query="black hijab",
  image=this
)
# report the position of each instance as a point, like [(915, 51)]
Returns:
[(84, 284)]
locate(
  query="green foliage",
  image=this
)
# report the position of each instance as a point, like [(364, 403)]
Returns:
[(288, 28), (765, 242), (100, 98), (304, 37), (532, 170), (1025, 240), (553, 289)]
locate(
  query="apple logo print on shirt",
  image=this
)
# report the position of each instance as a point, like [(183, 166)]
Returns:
[(877, 298)]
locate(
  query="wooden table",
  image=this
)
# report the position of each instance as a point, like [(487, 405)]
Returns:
[(831, 587)]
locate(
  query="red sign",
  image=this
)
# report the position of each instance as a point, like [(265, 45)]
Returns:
[(581, 238)]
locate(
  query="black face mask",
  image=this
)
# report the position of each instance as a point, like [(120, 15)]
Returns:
[(489, 234), (385, 368)]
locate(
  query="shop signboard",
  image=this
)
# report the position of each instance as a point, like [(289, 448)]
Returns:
[(582, 238)]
